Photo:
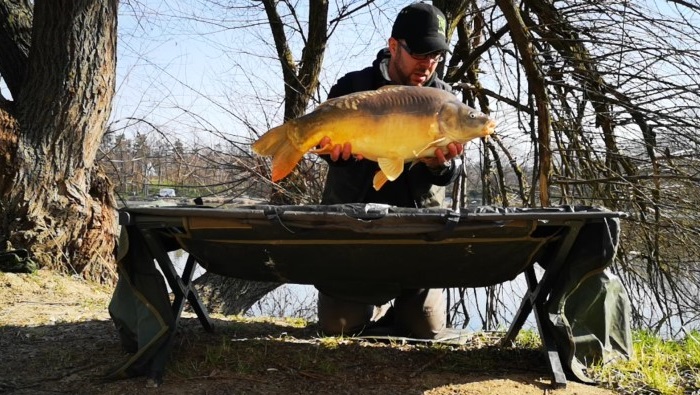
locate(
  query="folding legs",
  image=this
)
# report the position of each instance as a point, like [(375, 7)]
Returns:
[(535, 299), (181, 287)]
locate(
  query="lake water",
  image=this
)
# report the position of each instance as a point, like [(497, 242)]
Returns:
[(299, 300)]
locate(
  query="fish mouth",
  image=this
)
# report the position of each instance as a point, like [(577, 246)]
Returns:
[(489, 127)]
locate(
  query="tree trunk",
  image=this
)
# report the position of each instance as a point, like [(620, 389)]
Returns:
[(54, 199), (233, 296)]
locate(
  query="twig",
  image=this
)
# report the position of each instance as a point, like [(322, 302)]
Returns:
[(427, 364), (227, 377), (311, 375), (49, 303)]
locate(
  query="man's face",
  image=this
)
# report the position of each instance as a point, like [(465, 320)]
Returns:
[(408, 69)]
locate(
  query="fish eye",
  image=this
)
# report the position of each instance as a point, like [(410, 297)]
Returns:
[(472, 115)]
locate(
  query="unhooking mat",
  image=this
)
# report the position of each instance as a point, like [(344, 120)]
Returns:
[(383, 249)]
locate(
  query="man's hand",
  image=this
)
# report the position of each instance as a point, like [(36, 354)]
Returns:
[(452, 150), (337, 151)]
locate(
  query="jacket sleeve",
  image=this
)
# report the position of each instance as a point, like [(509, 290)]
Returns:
[(446, 175)]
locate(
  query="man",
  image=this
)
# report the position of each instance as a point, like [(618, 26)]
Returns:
[(417, 45)]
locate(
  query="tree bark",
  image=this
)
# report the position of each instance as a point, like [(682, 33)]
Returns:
[(15, 36), (55, 201)]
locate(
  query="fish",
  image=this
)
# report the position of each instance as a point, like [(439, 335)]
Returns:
[(392, 125)]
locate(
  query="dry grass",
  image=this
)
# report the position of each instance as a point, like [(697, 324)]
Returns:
[(56, 337)]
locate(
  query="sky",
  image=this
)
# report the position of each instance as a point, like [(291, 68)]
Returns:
[(191, 68)]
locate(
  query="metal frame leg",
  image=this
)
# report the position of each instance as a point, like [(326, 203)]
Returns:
[(192, 296), (181, 286), (534, 300)]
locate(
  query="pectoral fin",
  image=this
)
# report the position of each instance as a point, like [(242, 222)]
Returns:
[(429, 145), (391, 167), (325, 150)]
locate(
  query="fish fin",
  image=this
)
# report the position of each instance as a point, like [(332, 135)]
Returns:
[(379, 180), (276, 144), (284, 161), (429, 145), (391, 167), (268, 143)]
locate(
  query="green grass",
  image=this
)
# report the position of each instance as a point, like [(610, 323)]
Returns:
[(663, 367), (528, 339)]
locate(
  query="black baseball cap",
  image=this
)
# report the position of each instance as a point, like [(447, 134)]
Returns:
[(423, 28)]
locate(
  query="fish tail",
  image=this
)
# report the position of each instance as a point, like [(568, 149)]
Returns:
[(285, 155)]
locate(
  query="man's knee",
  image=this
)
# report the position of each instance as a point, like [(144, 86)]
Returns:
[(422, 314), (340, 317)]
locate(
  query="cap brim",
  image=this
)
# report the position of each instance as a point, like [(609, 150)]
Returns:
[(426, 45)]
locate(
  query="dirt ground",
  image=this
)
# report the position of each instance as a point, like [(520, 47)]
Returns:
[(56, 337)]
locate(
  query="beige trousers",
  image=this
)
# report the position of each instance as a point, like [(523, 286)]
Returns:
[(418, 313)]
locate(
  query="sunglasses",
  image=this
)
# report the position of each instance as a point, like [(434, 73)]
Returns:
[(436, 57)]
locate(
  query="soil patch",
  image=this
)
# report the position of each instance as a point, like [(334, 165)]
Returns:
[(56, 337)]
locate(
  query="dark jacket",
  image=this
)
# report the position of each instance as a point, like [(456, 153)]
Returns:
[(351, 181)]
